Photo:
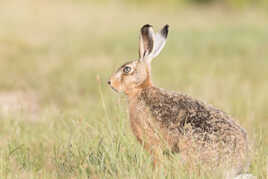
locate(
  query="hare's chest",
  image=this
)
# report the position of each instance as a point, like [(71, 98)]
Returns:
[(143, 125)]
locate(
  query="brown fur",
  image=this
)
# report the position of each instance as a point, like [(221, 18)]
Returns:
[(163, 120), (187, 125)]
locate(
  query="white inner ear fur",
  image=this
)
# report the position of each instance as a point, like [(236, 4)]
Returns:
[(159, 43)]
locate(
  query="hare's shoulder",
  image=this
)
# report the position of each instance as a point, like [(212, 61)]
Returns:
[(176, 110)]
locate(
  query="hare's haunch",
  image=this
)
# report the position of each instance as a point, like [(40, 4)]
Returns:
[(167, 120)]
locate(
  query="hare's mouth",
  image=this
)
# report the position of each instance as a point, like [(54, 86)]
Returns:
[(115, 90)]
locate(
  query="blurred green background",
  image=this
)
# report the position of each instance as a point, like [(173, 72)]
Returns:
[(59, 119)]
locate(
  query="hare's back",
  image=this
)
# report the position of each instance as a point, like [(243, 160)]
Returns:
[(195, 126), (181, 113)]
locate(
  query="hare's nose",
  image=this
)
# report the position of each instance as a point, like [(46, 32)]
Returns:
[(109, 82)]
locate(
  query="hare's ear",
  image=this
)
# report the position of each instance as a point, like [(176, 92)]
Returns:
[(151, 44), (160, 41), (146, 41)]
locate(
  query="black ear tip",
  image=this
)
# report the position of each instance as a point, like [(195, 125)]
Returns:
[(164, 31), (145, 27)]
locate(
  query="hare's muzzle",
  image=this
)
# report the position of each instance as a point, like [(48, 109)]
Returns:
[(110, 84)]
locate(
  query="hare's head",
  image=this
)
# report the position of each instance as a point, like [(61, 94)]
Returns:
[(136, 74)]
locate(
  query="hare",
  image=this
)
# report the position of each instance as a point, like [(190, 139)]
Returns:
[(162, 120)]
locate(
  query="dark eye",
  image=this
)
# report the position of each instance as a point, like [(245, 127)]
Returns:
[(126, 69)]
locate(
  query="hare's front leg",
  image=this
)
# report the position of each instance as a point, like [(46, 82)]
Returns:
[(151, 142), (155, 151)]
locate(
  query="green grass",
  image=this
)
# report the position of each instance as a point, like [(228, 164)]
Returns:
[(63, 52)]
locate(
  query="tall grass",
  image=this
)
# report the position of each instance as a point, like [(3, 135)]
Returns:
[(62, 53)]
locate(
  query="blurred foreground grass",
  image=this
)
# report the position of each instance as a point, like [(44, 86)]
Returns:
[(74, 126)]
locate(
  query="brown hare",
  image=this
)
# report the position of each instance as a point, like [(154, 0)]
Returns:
[(163, 120)]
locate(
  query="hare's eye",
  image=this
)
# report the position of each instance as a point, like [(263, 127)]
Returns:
[(126, 69)]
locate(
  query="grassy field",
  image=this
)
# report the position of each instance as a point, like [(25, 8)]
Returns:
[(59, 119)]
